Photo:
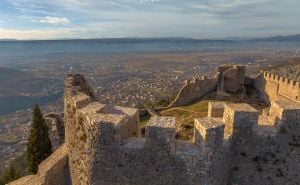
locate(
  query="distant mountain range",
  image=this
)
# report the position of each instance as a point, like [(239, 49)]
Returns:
[(291, 38), (8, 39)]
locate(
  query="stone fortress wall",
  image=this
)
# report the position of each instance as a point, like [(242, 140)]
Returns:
[(228, 79), (194, 89), (232, 145), (274, 87), (52, 171)]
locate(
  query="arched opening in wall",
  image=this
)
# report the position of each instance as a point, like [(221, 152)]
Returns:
[(297, 97)]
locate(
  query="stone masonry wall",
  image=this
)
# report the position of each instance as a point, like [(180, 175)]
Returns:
[(113, 154), (103, 146), (231, 78), (56, 127), (106, 148), (86, 122), (270, 155), (77, 95), (52, 171), (228, 79), (194, 90), (274, 87)]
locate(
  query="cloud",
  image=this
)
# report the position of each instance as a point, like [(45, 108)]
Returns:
[(58, 33), (32, 34), (126, 18), (32, 7), (54, 20)]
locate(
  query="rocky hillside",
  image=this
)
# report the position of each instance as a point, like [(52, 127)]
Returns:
[(291, 70)]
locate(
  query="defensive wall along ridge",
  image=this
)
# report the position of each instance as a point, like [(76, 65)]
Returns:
[(229, 79), (274, 87), (103, 145), (194, 89)]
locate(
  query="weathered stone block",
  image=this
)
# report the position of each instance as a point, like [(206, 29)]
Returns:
[(284, 111), (239, 118), (160, 133), (209, 133), (216, 109), (81, 100), (231, 79)]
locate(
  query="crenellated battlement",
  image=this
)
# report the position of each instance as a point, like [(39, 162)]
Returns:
[(198, 79), (103, 144), (194, 89), (106, 147), (160, 134), (274, 87), (281, 80)]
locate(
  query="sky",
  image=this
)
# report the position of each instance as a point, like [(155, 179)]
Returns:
[(57, 19)]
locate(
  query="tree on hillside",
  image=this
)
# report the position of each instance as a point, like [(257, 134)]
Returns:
[(39, 145), (16, 169), (10, 174)]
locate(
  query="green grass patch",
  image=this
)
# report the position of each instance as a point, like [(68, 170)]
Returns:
[(185, 116)]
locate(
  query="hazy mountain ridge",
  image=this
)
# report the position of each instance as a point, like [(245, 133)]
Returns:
[(291, 38), (166, 39)]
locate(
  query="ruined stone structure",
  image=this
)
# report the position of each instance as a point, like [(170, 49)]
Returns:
[(233, 145), (231, 79), (274, 87), (194, 90), (228, 80), (56, 127)]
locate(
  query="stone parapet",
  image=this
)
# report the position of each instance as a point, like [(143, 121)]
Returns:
[(56, 127), (216, 109), (239, 118), (209, 133), (194, 90), (52, 171), (92, 128), (160, 134), (282, 111), (274, 87), (103, 147)]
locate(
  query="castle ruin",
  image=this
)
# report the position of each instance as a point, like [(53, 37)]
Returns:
[(229, 79), (274, 87), (56, 127), (234, 144)]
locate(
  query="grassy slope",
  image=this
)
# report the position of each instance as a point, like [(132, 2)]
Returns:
[(185, 116)]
